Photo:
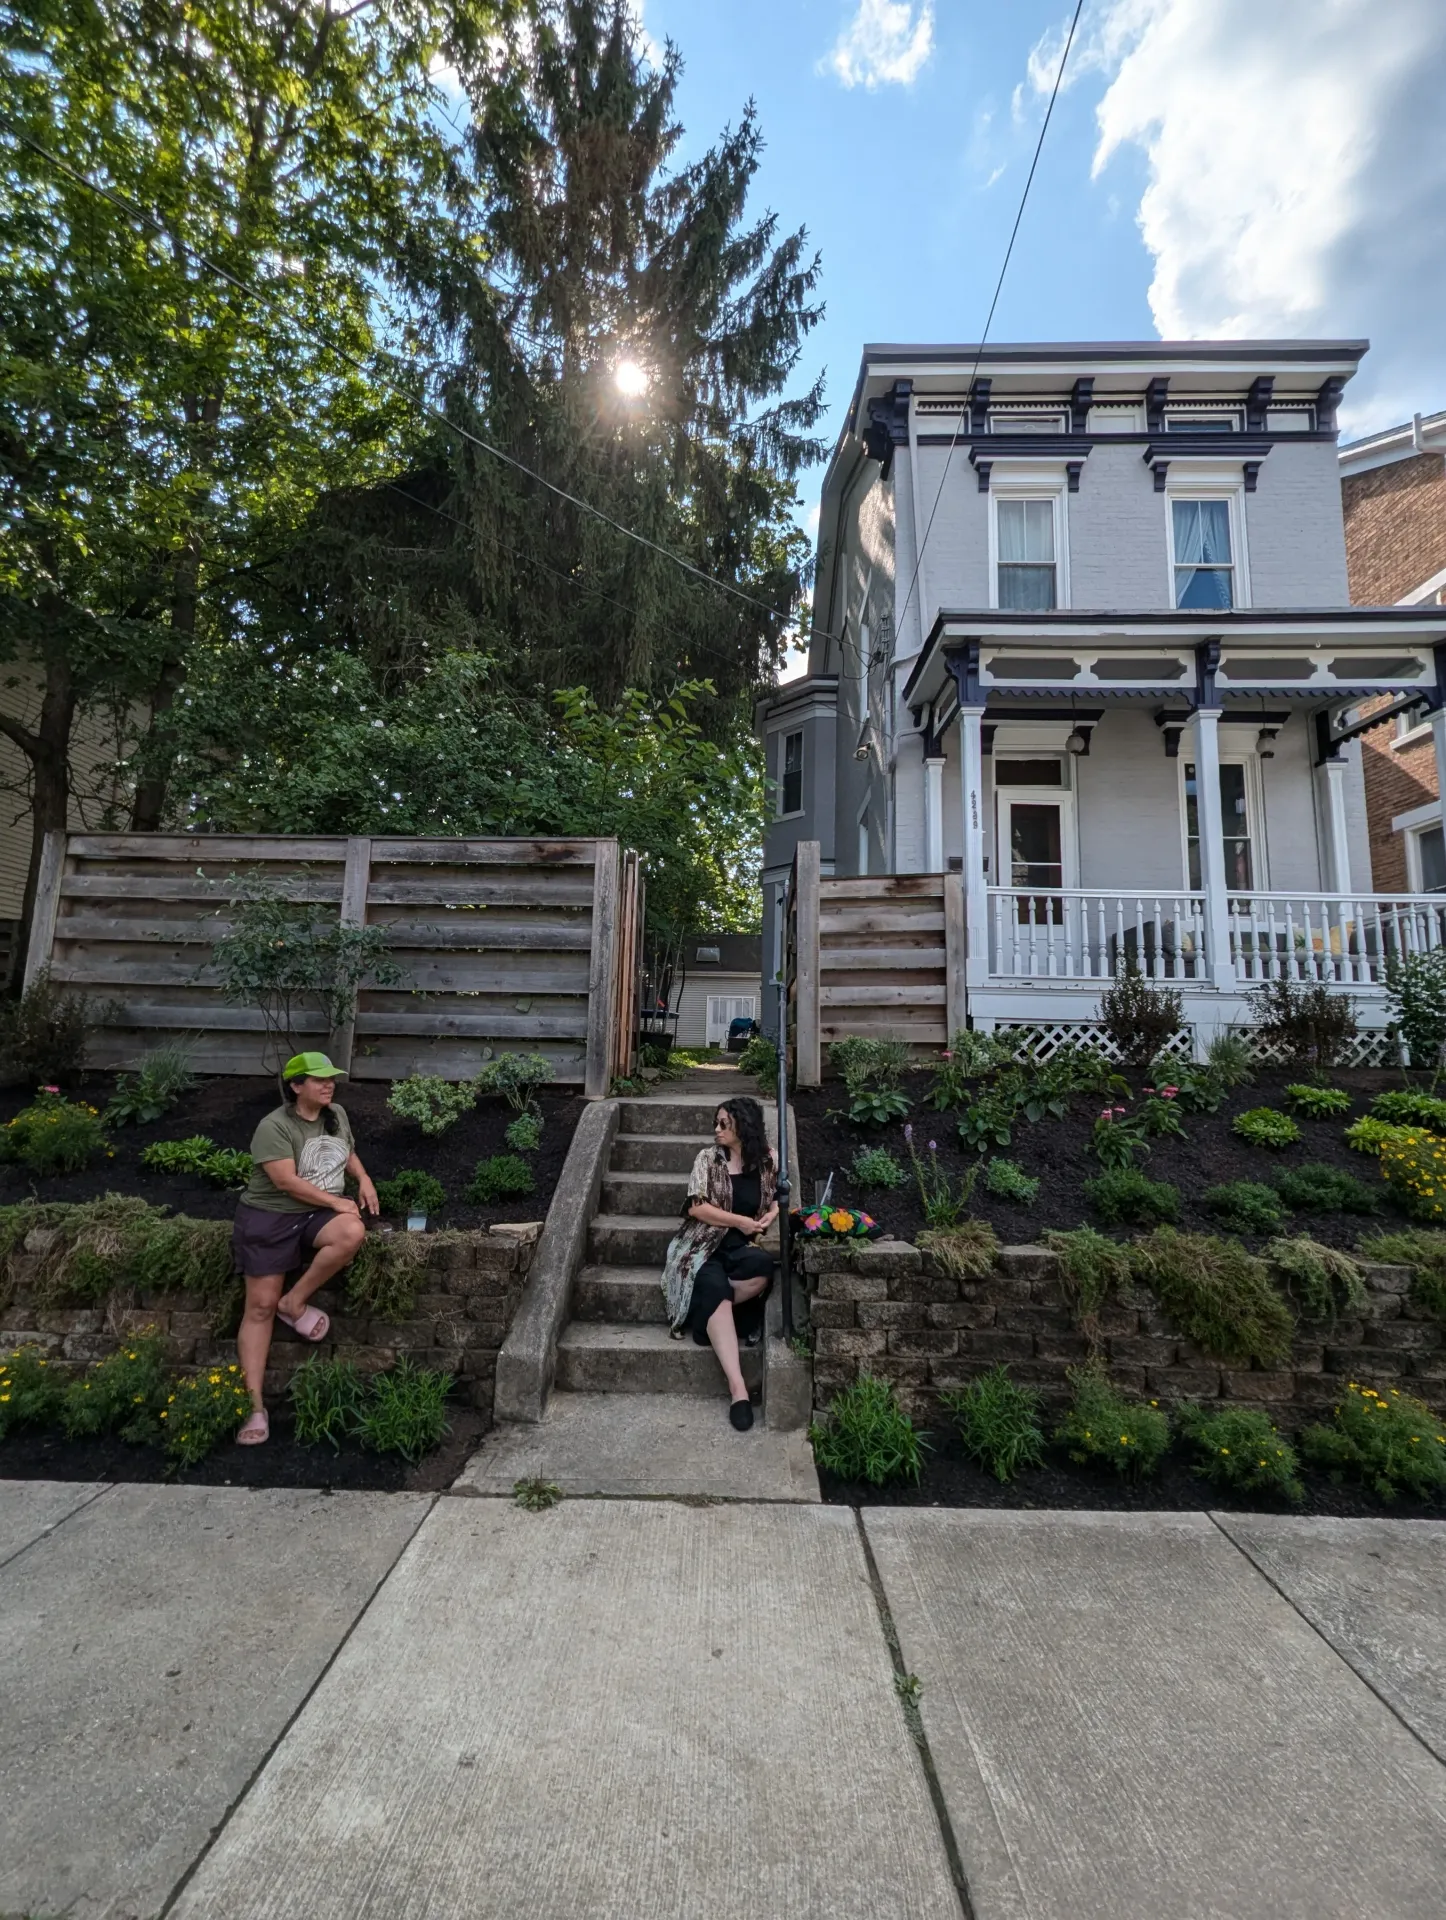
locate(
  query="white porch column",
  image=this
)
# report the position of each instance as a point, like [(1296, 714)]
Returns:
[(971, 793), (1333, 772), (933, 816), (1438, 742), (1212, 848)]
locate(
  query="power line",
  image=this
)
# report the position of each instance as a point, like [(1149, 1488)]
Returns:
[(989, 320)]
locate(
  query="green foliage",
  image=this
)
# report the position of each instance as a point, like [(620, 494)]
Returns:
[(431, 1103), (1410, 1109), (1245, 1206), (759, 1059), (1319, 1188), (944, 1203), (1321, 1280), (1238, 1448), (44, 1034), (1124, 1195), (524, 1134), (108, 1246), (204, 1408), (1421, 1249), (1217, 1294), (54, 1135), (409, 1191), (1007, 1181), (505, 1176), (1231, 1060), (30, 1389), (1369, 1136), (1139, 1018), (998, 1423), (1199, 1089), (1265, 1127), (199, 1156), (966, 1251), (515, 1078), (1414, 1167), (1309, 1025), (1104, 1424), (988, 1120), (877, 1167), (970, 1056), (866, 1435), (405, 1411), (1158, 1117), (160, 1080), (122, 1394), (1390, 1441), (1320, 1103), (1416, 995), (536, 1495), (383, 1279), (1118, 1139), (871, 1071), (328, 1398), (1092, 1267)]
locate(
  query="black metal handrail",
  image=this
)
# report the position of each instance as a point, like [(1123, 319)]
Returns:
[(785, 1250)]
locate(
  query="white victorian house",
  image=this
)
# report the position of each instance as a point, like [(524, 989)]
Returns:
[(1083, 690)]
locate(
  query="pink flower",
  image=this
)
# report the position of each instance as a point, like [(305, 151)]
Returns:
[(1168, 1093), (1107, 1113), (946, 1055), (50, 1089), (1149, 1089)]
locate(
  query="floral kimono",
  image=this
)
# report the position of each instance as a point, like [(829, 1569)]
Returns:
[(694, 1243)]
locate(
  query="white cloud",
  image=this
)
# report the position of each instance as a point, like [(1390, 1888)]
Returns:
[(648, 46), (1296, 172), (887, 43)]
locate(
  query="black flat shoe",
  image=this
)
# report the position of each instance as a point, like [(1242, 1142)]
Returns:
[(741, 1414)]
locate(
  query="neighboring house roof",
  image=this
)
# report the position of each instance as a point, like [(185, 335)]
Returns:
[(724, 953), (1424, 433)]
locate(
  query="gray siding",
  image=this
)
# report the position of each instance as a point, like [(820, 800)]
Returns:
[(1295, 529), (1118, 558), (1129, 806)]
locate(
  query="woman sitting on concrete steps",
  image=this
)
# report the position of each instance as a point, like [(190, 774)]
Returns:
[(715, 1278)]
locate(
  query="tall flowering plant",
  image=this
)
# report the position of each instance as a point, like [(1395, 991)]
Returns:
[(944, 1203)]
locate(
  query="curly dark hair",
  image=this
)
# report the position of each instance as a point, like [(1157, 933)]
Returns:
[(747, 1117)]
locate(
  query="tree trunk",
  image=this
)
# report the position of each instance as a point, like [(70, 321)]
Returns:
[(48, 750), (149, 804)]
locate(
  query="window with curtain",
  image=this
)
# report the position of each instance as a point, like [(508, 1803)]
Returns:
[(1026, 555), (1234, 826), (1204, 565), (790, 782)]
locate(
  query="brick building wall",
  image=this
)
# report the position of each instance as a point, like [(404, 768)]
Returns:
[(1397, 779)]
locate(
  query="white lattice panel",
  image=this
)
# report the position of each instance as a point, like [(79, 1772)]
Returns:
[(1041, 1040)]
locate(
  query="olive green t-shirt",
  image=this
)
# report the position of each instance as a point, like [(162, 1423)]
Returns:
[(320, 1157)]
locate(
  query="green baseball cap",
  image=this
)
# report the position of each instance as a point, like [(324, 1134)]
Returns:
[(314, 1066)]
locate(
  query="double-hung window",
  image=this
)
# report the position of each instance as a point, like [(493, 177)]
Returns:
[(1204, 559), (1235, 827), (1028, 580), (790, 775)]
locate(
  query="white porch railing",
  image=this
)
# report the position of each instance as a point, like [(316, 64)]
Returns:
[(1075, 933), (1349, 939)]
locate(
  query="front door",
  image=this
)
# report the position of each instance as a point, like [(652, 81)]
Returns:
[(1035, 852)]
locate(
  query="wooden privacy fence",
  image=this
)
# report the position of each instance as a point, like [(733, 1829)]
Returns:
[(503, 946)]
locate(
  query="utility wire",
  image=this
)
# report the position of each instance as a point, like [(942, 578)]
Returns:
[(989, 320)]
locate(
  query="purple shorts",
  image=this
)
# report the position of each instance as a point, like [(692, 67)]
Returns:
[(264, 1242)]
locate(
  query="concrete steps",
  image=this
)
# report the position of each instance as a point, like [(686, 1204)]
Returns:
[(650, 1193), (631, 1239), (620, 1294), (609, 1357), (657, 1152)]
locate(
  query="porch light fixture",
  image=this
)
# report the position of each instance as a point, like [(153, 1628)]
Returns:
[(861, 749), (1265, 742), (1078, 741)]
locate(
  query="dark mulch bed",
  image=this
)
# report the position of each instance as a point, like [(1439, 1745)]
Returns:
[(228, 1109), (950, 1479), (282, 1462), (1059, 1154)]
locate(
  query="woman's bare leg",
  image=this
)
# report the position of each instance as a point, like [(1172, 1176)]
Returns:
[(253, 1336), (723, 1338), (335, 1247)]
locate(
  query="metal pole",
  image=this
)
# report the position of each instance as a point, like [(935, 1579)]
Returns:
[(784, 1186)]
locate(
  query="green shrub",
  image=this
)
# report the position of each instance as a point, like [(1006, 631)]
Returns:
[(1321, 1280), (1007, 1181), (44, 1034), (871, 1071), (1231, 1060), (1158, 1117), (524, 1134), (204, 1409), (409, 1191), (1318, 1188), (120, 1241), (1309, 1025), (1392, 1442), (1416, 995), (328, 1398), (505, 1176), (431, 1103), (1217, 1294), (1239, 1448), (515, 1078), (406, 1411), (1244, 1206), (998, 1423), (30, 1391), (1264, 1127), (759, 1059), (968, 1058), (200, 1157), (1408, 1109), (1138, 1018), (54, 1135), (1421, 1250), (1118, 1139), (877, 1167), (1092, 1267), (988, 1119), (1103, 1424), (1319, 1103), (1413, 1165), (966, 1251), (155, 1087), (1199, 1089), (122, 1394), (1369, 1136), (866, 1435), (1124, 1195)]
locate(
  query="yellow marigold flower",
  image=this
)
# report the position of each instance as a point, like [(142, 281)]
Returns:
[(1124, 1439), (4, 1396), (1225, 1449)]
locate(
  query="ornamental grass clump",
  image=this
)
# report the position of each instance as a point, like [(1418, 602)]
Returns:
[(1319, 1103), (1092, 1268), (1404, 1108), (383, 1279), (1322, 1281), (1413, 1166), (122, 1394), (204, 1408), (1318, 1188), (1124, 1196), (406, 1411), (1103, 1424), (1217, 1294), (30, 1389), (430, 1102), (1245, 1206), (54, 1135), (1390, 1441), (1008, 1181), (998, 1423), (1238, 1448), (866, 1435), (1265, 1127), (877, 1167), (328, 1398), (965, 1252), (1421, 1249)]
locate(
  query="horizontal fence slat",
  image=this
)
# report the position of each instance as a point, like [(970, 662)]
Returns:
[(145, 886), (208, 1014), (203, 846), (885, 959), (545, 890), (508, 853), (891, 886), (501, 1026), (480, 932), (874, 995), (201, 930), (865, 919)]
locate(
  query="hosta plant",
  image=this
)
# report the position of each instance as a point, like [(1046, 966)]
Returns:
[(1264, 1127)]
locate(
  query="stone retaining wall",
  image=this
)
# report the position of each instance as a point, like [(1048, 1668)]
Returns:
[(891, 1311), (463, 1308)]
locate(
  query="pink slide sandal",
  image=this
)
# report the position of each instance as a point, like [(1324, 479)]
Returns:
[(254, 1431), (311, 1323)]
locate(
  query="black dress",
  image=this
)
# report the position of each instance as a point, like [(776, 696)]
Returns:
[(733, 1259)]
